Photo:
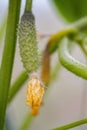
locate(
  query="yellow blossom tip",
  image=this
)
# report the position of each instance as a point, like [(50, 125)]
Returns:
[(35, 93), (34, 111)]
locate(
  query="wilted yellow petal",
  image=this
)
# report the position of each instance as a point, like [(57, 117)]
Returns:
[(35, 93)]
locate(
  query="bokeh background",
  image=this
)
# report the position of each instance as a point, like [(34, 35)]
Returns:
[(67, 99)]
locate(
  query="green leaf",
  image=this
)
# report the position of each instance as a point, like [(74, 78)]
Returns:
[(71, 10)]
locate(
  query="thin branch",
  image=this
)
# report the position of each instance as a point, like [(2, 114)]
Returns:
[(28, 6), (72, 125), (26, 122), (17, 85)]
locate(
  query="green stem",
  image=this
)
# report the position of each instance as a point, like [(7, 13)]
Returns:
[(55, 72), (72, 125), (55, 38), (80, 24), (26, 122), (8, 56), (69, 62), (17, 85), (2, 28), (28, 6), (83, 48), (72, 30)]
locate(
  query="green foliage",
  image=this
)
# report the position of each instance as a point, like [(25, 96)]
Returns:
[(71, 10)]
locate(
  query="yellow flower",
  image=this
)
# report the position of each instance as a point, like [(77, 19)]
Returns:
[(35, 93)]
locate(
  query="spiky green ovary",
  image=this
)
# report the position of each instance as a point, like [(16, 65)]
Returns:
[(28, 42)]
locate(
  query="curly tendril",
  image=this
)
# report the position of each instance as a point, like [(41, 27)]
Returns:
[(69, 62)]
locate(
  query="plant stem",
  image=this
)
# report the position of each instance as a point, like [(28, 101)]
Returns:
[(69, 62), (72, 30), (80, 24), (83, 49), (72, 125), (17, 85), (8, 56), (26, 122), (28, 6), (55, 72), (55, 38), (2, 28)]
